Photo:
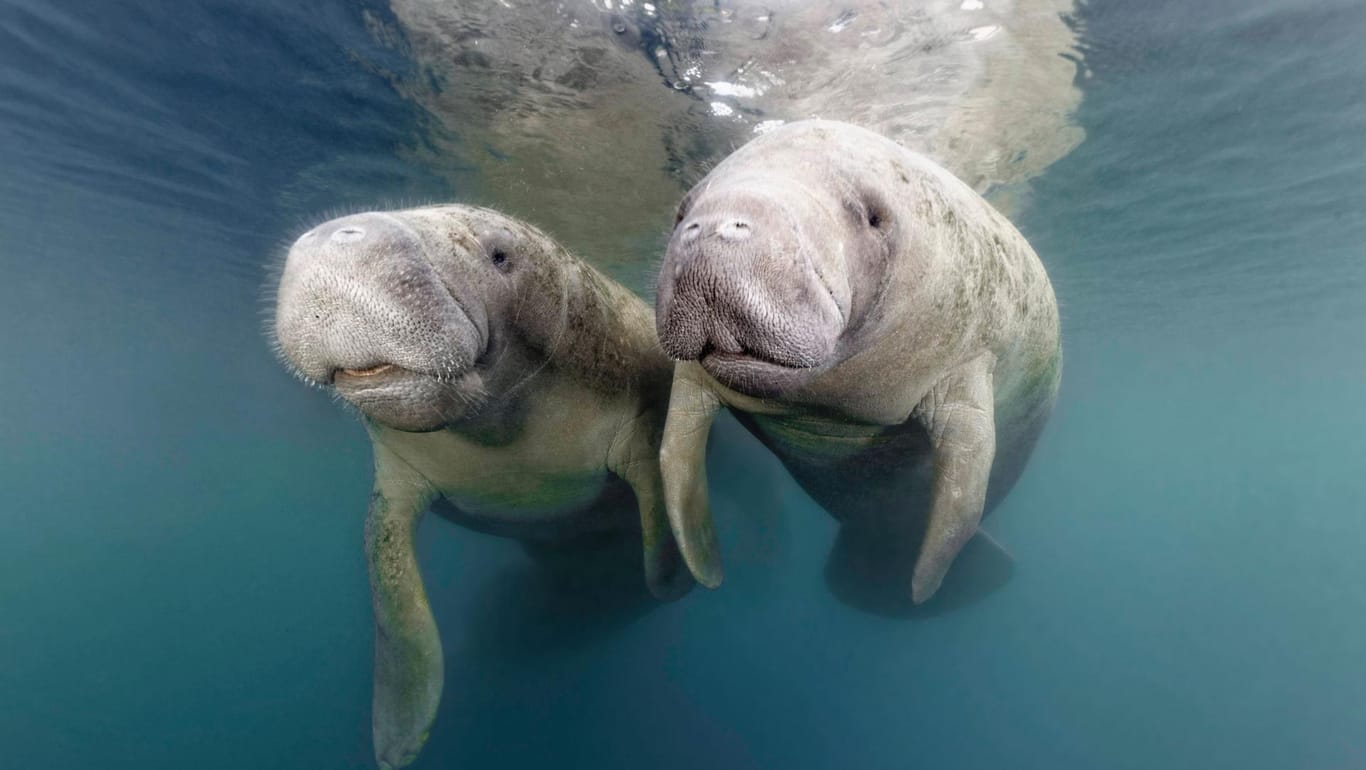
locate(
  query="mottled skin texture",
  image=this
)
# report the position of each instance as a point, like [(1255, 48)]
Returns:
[(890, 336), (501, 380)]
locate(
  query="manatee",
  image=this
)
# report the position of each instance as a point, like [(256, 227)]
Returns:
[(873, 321), (501, 380)]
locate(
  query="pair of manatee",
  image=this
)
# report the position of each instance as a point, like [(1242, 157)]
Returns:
[(870, 318)]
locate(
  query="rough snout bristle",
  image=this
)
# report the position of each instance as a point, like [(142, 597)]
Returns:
[(773, 310), (358, 292)]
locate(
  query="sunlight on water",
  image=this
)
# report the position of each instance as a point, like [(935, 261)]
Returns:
[(181, 564), (563, 108)]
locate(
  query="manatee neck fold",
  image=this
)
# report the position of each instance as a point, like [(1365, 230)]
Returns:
[(602, 334)]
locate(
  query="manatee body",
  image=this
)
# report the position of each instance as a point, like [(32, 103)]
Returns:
[(500, 379), (876, 323)]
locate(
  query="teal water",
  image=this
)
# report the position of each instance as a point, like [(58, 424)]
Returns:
[(181, 575)]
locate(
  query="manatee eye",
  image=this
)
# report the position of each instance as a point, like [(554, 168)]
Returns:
[(867, 208), (500, 246)]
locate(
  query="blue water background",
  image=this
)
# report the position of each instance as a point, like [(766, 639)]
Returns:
[(181, 576)]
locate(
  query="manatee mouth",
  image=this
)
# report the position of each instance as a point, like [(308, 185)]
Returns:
[(344, 378), (370, 372), (408, 399), (385, 380), (754, 375), (724, 358)]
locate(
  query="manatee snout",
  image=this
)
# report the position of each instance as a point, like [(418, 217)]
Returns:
[(363, 306), (747, 292)]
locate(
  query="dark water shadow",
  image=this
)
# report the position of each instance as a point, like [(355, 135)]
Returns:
[(562, 597), (747, 484), (881, 497), (518, 636), (872, 572)]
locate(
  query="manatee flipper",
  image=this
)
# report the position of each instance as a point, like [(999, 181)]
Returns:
[(958, 414), (408, 664), (983, 567), (635, 458), (683, 462), (870, 566)]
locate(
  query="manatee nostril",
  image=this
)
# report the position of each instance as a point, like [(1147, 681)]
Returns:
[(734, 230), (348, 234)]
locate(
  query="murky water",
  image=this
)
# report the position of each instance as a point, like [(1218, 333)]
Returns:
[(180, 550)]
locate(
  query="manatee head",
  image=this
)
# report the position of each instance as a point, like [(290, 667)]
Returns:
[(775, 258), (393, 310)]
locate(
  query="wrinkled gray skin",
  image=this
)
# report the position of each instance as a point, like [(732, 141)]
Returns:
[(875, 323), (499, 377)]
